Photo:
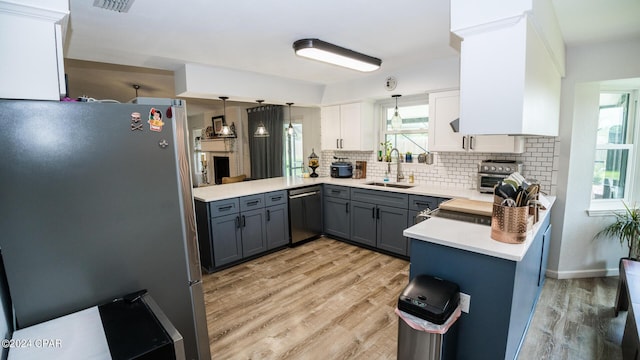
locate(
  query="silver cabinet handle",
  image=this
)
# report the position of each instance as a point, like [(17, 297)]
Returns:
[(268, 215), (303, 195), (341, 143), (464, 144), (471, 142), (337, 142)]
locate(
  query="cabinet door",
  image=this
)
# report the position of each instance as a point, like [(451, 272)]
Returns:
[(356, 126), (254, 232), (330, 127), (336, 217), (391, 223), (363, 223), (350, 127), (444, 107), (277, 226), (546, 238), (226, 238)]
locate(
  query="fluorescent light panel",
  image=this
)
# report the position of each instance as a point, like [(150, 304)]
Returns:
[(323, 51)]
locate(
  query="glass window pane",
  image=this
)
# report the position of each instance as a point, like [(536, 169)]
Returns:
[(609, 174), (415, 143), (612, 122), (415, 117), (294, 159)]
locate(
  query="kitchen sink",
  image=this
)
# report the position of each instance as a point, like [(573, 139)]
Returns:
[(392, 185)]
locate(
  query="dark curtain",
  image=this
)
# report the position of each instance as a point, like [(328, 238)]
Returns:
[(266, 153)]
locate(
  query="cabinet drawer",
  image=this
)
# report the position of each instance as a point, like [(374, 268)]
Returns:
[(224, 207), (380, 197), (275, 198), (420, 202), (251, 202), (337, 191)]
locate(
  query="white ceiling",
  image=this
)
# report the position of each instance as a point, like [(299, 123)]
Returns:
[(257, 35)]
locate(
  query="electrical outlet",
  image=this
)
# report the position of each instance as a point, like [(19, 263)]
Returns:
[(465, 302)]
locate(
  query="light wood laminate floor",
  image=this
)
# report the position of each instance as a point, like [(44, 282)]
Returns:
[(331, 300)]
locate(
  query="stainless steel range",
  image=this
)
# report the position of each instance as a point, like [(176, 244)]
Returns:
[(491, 172)]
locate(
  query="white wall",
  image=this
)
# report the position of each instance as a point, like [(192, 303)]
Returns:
[(437, 75), (309, 117), (573, 252)]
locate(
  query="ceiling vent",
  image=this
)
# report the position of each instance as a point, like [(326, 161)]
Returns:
[(115, 5)]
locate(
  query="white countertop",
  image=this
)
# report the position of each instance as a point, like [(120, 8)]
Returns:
[(457, 234), (473, 237), (227, 191)]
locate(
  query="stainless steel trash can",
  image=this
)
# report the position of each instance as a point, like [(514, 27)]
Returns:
[(434, 300)]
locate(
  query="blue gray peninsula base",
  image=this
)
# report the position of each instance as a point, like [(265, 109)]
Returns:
[(503, 292)]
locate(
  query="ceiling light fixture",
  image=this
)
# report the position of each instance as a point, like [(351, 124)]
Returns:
[(396, 120), (261, 131), (226, 130), (323, 51), (290, 130)]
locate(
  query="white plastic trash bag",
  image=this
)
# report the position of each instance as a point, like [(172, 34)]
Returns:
[(424, 325)]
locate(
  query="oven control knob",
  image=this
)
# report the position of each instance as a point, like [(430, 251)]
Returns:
[(508, 169), (493, 168), (485, 167), (499, 168)]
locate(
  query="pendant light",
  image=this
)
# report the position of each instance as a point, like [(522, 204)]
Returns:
[(290, 130), (226, 130), (396, 120), (261, 131)]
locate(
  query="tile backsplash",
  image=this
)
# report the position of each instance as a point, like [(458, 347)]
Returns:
[(459, 170)]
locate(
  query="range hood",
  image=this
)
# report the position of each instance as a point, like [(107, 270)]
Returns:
[(510, 68)]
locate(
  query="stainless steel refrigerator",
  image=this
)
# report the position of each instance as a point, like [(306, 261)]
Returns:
[(95, 202)]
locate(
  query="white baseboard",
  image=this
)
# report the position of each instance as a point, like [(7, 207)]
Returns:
[(582, 273)]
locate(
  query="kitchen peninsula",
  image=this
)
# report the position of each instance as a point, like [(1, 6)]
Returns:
[(503, 280)]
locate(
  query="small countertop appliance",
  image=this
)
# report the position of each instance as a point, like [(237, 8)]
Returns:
[(341, 168), (491, 172)]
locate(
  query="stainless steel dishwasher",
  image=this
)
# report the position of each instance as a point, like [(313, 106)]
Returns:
[(305, 213)]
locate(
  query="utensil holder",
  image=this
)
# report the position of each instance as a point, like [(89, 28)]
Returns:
[(510, 224)]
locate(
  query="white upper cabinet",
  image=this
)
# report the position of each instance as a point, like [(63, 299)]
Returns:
[(510, 69), (347, 127), (31, 39), (444, 110)]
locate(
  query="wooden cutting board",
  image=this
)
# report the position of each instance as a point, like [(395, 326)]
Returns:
[(468, 206)]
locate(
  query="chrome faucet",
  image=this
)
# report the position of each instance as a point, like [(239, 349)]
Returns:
[(399, 175)]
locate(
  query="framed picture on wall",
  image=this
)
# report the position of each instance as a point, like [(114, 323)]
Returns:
[(217, 124)]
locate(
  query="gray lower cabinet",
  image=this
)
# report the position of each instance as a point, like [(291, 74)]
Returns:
[(378, 219), (234, 229), (277, 226), (336, 211), (379, 226), (254, 232), (391, 223), (226, 240), (363, 221), (236, 236)]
